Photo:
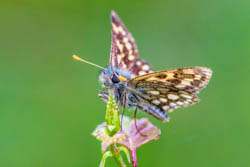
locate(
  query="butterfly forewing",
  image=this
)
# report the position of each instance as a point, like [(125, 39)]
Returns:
[(124, 52), (191, 79), (169, 90)]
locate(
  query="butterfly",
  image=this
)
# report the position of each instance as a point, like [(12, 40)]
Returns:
[(135, 84)]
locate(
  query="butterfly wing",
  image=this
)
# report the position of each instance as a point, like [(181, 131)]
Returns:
[(191, 79), (124, 52), (168, 90)]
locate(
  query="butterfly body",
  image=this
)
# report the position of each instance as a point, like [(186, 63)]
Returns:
[(109, 79), (136, 85)]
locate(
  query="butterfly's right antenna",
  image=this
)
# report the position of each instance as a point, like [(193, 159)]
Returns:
[(79, 59)]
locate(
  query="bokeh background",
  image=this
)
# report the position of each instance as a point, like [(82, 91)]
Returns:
[(49, 105)]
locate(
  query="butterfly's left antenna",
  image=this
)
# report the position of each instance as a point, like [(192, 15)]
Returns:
[(79, 59)]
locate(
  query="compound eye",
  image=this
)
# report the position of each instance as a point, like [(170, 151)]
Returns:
[(115, 79)]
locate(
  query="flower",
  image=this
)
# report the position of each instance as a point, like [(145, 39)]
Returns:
[(130, 138)]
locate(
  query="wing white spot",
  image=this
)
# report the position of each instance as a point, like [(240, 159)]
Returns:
[(125, 39), (188, 79), (197, 77), (180, 86), (128, 46), (154, 92), (130, 51), (171, 76), (163, 100), (206, 71), (186, 83), (145, 67), (138, 63), (151, 79), (186, 96), (172, 104), (131, 57), (173, 97), (115, 28), (165, 107), (142, 73), (157, 102), (120, 46), (122, 31), (188, 71), (119, 58), (179, 103)]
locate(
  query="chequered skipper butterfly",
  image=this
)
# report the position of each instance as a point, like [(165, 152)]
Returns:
[(136, 85)]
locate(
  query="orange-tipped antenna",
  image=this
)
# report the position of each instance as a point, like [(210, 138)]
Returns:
[(79, 59)]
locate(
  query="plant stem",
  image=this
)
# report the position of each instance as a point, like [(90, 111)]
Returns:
[(134, 159), (117, 156)]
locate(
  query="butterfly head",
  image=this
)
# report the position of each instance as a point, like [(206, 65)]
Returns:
[(109, 77), (112, 78)]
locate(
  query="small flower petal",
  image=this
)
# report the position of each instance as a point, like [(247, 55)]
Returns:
[(129, 137), (135, 139)]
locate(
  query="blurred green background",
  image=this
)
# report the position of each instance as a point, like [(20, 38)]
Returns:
[(49, 105)]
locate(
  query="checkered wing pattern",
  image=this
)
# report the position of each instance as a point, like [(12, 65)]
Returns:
[(168, 90), (124, 52)]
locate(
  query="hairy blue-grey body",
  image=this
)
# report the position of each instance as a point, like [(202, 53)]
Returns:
[(120, 89), (125, 92)]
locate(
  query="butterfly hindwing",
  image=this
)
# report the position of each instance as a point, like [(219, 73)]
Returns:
[(166, 97), (124, 52), (157, 100)]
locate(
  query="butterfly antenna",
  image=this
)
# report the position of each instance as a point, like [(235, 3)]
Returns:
[(79, 59)]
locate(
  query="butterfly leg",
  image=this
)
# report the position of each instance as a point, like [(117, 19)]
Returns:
[(123, 108), (138, 130), (104, 95)]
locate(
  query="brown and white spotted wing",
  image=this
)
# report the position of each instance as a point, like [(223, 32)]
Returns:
[(124, 52), (140, 68), (191, 79), (168, 90)]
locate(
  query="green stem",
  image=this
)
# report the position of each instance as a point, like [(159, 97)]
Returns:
[(117, 155)]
